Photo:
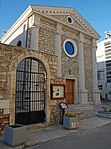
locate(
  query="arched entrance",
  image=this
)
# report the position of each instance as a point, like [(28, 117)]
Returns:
[(30, 92)]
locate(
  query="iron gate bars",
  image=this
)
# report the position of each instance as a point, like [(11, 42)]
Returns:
[(30, 87)]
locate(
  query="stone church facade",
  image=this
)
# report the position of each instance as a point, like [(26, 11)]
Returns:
[(53, 44)]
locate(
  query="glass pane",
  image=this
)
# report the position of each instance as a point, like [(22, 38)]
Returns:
[(69, 48)]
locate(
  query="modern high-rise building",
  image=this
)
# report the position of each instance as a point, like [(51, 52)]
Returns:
[(103, 55)]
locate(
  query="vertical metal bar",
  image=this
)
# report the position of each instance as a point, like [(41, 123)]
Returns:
[(18, 88), (24, 79), (39, 95), (30, 82), (36, 90), (32, 89), (44, 86), (29, 76)]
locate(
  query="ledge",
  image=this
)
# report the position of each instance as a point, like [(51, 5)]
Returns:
[(104, 114)]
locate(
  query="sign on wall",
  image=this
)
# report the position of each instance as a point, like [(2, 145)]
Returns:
[(58, 91)]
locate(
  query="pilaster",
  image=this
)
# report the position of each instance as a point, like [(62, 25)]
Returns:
[(58, 47), (83, 99), (95, 91), (35, 33)]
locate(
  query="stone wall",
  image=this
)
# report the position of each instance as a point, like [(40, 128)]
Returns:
[(47, 37), (69, 65), (55, 108), (10, 57), (65, 20), (88, 68), (60, 17)]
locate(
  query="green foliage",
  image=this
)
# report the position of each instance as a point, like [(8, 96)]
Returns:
[(70, 114), (106, 109)]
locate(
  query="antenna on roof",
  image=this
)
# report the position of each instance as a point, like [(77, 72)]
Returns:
[(108, 34)]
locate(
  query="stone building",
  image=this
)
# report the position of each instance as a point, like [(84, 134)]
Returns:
[(50, 57)]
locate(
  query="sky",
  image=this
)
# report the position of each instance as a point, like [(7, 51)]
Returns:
[(96, 12)]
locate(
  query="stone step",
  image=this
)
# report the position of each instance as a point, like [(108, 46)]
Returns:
[(79, 107), (87, 110)]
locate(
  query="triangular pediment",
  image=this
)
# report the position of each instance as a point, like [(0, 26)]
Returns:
[(84, 24), (75, 25), (61, 14)]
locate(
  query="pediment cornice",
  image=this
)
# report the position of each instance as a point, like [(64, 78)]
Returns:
[(51, 11), (84, 24)]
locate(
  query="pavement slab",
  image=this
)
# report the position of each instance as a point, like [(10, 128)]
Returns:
[(57, 131)]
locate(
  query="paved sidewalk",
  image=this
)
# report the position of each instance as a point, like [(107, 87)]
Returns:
[(57, 131)]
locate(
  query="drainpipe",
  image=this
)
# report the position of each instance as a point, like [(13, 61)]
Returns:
[(24, 74), (27, 33)]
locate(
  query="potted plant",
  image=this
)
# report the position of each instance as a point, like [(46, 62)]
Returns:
[(15, 135), (70, 120)]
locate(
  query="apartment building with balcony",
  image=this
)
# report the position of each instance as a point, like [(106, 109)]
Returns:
[(103, 55)]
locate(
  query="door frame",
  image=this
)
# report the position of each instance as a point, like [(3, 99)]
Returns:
[(71, 90), (75, 88)]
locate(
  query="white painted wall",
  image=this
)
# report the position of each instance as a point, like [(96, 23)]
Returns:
[(19, 34), (101, 66)]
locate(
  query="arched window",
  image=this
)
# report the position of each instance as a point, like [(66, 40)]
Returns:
[(19, 44)]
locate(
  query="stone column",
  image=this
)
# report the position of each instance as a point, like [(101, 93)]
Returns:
[(35, 33), (12, 81), (96, 91), (82, 91), (58, 47)]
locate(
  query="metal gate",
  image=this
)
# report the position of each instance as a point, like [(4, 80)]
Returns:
[(30, 92)]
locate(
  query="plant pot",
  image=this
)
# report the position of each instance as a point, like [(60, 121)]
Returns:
[(70, 122), (15, 135)]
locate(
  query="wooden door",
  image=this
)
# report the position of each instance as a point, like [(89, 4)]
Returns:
[(69, 91)]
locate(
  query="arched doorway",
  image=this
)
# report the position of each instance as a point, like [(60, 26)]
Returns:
[(30, 92)]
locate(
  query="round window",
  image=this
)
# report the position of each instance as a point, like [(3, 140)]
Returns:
[(70, 20), (70, 48)]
